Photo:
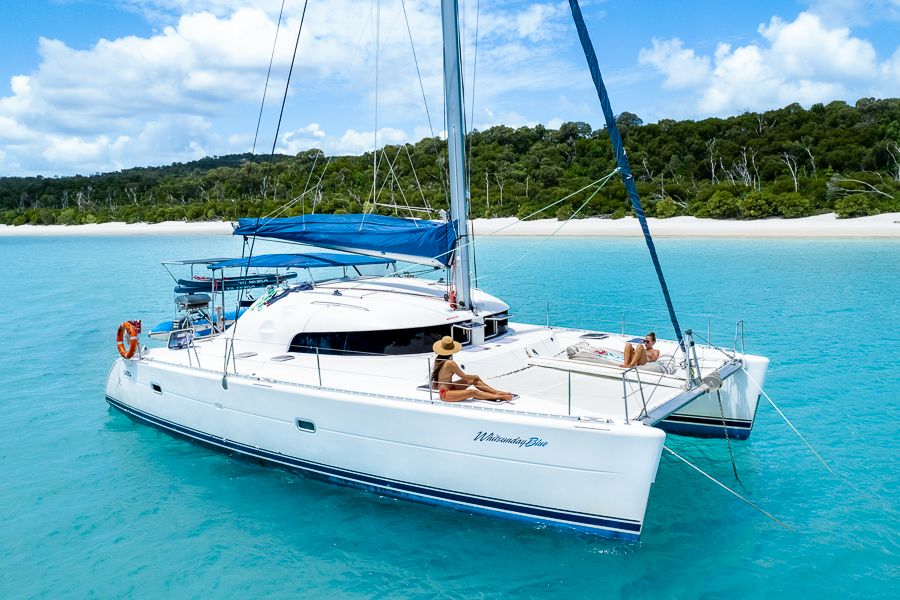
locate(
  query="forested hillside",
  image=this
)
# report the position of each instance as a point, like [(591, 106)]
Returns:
[(789, 162)]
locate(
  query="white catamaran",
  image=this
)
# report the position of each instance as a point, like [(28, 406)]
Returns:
[(331, 376)]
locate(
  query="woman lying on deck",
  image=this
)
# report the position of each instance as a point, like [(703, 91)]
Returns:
[(642, 353), (461, 389)]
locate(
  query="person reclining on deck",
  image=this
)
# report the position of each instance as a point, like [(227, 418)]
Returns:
[(461, 389), (642, 354)]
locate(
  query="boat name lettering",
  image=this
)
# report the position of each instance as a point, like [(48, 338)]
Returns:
[(484, 436)]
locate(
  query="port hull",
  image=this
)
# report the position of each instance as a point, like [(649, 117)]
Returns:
[(564, 472)]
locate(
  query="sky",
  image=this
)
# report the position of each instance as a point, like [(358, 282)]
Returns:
[(92, 86)]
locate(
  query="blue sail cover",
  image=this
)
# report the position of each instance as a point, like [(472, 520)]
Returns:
[(301, 261), (411, 240)]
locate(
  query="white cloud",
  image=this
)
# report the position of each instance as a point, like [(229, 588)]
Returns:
[(855, 12), (682, 67), (536, 21), (807, 48), (176, 93), (350, 142), (801, 61)]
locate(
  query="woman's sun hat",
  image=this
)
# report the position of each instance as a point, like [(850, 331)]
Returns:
[(447, 346)]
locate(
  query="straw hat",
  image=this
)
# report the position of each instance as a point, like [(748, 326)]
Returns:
[(447, 346)]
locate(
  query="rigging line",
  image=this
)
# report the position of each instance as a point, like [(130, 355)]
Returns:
[(555, 231), (274, 214), (375, 148), (385, 182), (472, 113), (434, 144), (601, 182), (706, 341), (471, 226), (319, 185), (287, 87), (471, 136), (728, 437), (312, 170), (622, 160), (416, 177), (418, 71), (725, 487), (786, 420), (362, 33), (399, 186), (268, 74)]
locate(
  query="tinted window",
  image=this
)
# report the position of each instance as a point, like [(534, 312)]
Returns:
[(393, 342)]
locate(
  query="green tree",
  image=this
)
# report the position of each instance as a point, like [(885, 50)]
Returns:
[(792, 205), (854, 205), (667, 208), (757, 205)]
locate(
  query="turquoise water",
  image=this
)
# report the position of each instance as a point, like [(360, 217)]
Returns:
[(94, 505)]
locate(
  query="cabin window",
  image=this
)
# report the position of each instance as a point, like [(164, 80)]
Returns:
[(156, 388), (393, 342)]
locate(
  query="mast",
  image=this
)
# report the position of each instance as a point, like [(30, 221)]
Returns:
[(456, 147)]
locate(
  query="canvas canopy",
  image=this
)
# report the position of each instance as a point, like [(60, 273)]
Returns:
[(410, 240), (301, 261)]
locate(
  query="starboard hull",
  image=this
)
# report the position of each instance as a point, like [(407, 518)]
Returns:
[(733, 417)]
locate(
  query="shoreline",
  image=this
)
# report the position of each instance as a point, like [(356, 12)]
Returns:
[(884, 226)]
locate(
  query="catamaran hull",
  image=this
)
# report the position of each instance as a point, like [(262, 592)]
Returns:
[(589, 475), (705, 417)]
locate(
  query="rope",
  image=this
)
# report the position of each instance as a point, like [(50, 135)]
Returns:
[(472, 113), (622, 160), (375, 148), (287, 87), (412, 166), (725, 487), (772, 402), (312, 170), (399, 186), (318, 187), (563, 224), (786, 420), (434, 144), (727, 437), (268, 74), (601, 182)]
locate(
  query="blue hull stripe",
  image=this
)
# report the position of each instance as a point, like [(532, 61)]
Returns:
[(713, 421), (595, 524), (701, 428)]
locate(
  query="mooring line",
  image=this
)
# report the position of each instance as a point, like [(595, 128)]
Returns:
[(728, 438), (786, 420), (725, 487)]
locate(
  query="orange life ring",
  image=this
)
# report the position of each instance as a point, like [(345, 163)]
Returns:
[(127, 328)]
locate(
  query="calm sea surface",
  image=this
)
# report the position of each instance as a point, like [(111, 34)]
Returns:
[(93, 505)]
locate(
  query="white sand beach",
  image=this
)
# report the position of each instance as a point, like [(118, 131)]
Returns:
[(821, 226)]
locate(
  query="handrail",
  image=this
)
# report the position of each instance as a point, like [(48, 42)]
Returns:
[(632, 380), (640, 389)]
